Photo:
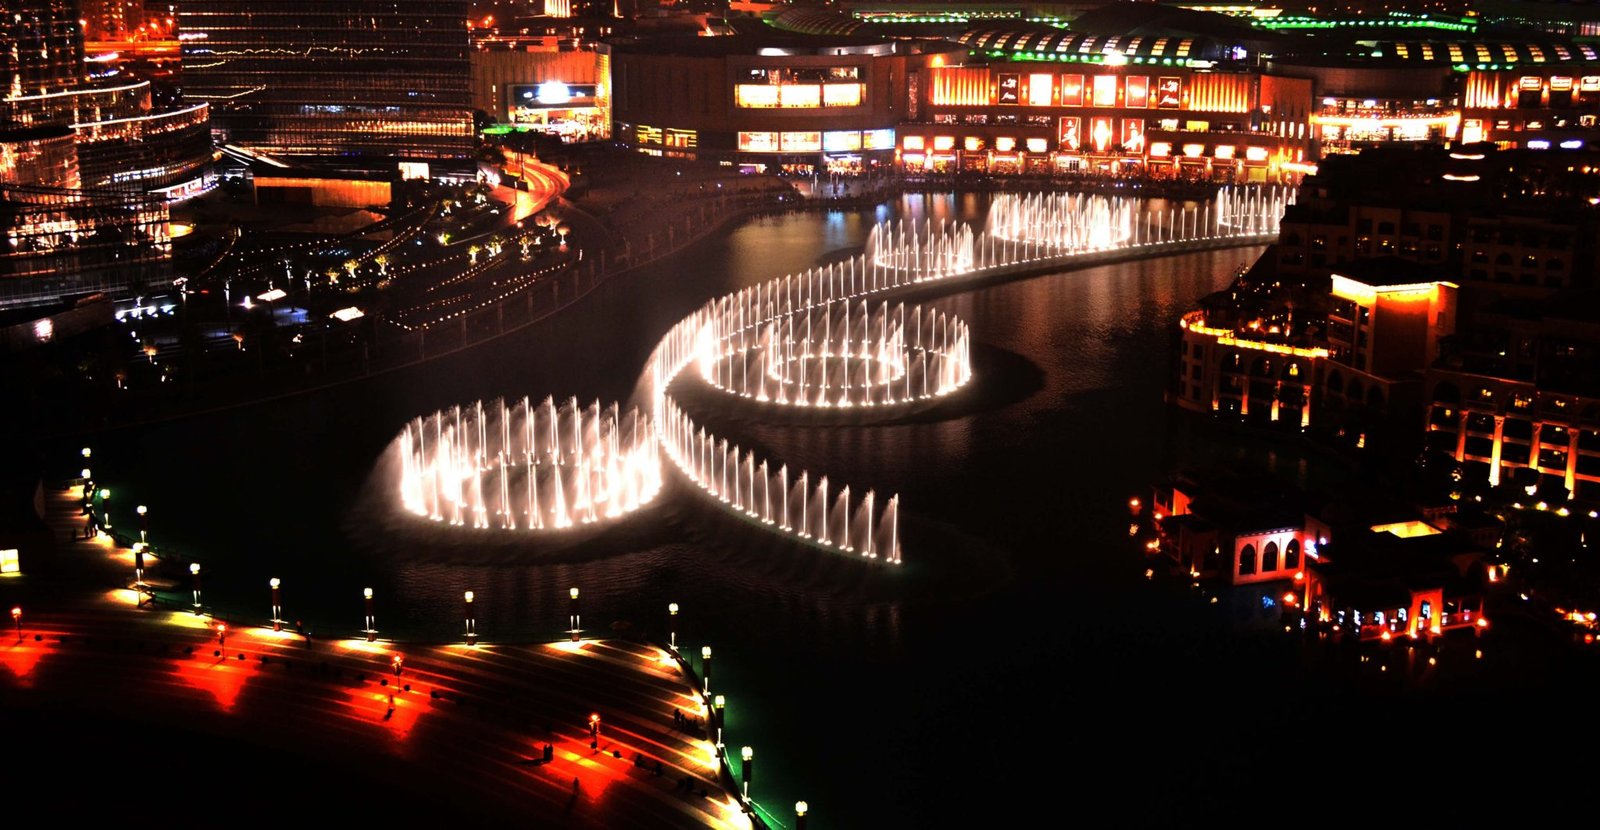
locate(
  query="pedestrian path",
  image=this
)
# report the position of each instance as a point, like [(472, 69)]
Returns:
[(476, 720)]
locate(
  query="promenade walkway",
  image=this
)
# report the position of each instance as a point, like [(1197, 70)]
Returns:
[(465, 724)]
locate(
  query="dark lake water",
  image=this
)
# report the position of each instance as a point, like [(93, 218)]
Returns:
[(1020, 670)]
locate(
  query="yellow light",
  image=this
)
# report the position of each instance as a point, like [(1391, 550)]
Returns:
[(572, 592)]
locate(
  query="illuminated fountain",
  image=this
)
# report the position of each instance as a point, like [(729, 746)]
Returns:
[(825, 338), (1252, 210), (843, 353), (527, 466), (1063, 222)]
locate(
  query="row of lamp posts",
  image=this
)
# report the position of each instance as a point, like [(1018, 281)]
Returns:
[(717, 704)]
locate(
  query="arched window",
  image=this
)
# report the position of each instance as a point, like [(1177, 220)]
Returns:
[(1247, 560), (1291, 554), (1269, 557)]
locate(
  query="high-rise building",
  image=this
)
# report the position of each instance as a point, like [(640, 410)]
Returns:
[(41, 46), (341, 80)]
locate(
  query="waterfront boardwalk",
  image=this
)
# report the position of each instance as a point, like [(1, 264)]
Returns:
[(466, 726)]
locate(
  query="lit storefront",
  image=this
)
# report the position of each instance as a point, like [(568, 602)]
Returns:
[(1534, 108), (802, 105), (562, 93), (1113, 119)]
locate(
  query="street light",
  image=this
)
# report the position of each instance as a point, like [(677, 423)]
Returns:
[(672, 625), (194, 569), (472, 623), (277, 604), (705, 668), (800, 808), (594, 731), (372, 628), (144, 522), (222, 634), (573, 613), (718, 711), (749, 756), (87, 452), (138, 568), (16, 616), (105, 506)]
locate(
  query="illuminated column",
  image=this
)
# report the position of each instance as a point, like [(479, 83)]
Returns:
[(1277, 392), (1572, 462), (194, 570), (16, 617), (572, 613), (1244, 395), (672, 626), (105, 507), (1494, 453), (800, 808), (371, 628), (144, 523), (749, 757), (705, 669), (594, 731), (277, 604), (1533, 450), (472, 622), (719, 709), (1461, 437), (138, 567)]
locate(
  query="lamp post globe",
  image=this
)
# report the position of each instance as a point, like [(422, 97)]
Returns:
[(371, 628), (194, 571)]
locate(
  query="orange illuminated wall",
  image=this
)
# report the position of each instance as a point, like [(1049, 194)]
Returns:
[(961, 86), (1219, 93), (1485, 90)]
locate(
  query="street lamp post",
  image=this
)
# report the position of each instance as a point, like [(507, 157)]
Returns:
[(144, 523), (371, 626), (472, 623), (749, 757), (800, 808), (105, 507), (194, 569), (705, 669), (573, 613), (138, 569), (594, 731), (277, 604), (718, 710), (16, 616), (222, 634), (672, 626)]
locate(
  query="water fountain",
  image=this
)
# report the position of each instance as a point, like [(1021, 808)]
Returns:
[(844, 353), (527, 466), (823, 338)]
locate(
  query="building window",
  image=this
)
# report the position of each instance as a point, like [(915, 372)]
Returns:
[(1291, 554), (1269, 557), (1247, 560)]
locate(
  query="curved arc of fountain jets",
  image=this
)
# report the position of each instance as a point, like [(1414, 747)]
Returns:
[(566, 465)]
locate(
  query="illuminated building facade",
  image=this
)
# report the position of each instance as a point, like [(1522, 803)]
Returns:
[(58, 243), (122, 140), (357, 81), (1113, 118), (43, 47), (1533, 107), (1516, 400), (775, 101), (563, 93), (39, 157), (114, 19)]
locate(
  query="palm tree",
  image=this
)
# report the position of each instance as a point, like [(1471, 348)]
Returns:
[(351, 265), (382, 261), (472, 254)]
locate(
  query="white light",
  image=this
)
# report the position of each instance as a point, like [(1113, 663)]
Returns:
[(1538, 144), (1572, 144), (345, 315), (272, 296), (552, 92)]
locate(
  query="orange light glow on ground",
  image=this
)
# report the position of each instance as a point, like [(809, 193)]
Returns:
[(21, 658), (372, 703), (592, 767), (222, 677), (568, 646), (363, 647)]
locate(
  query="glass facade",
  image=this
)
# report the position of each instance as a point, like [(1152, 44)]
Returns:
[(146, 151), (43, 47), (60, 243), (353, 79)]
